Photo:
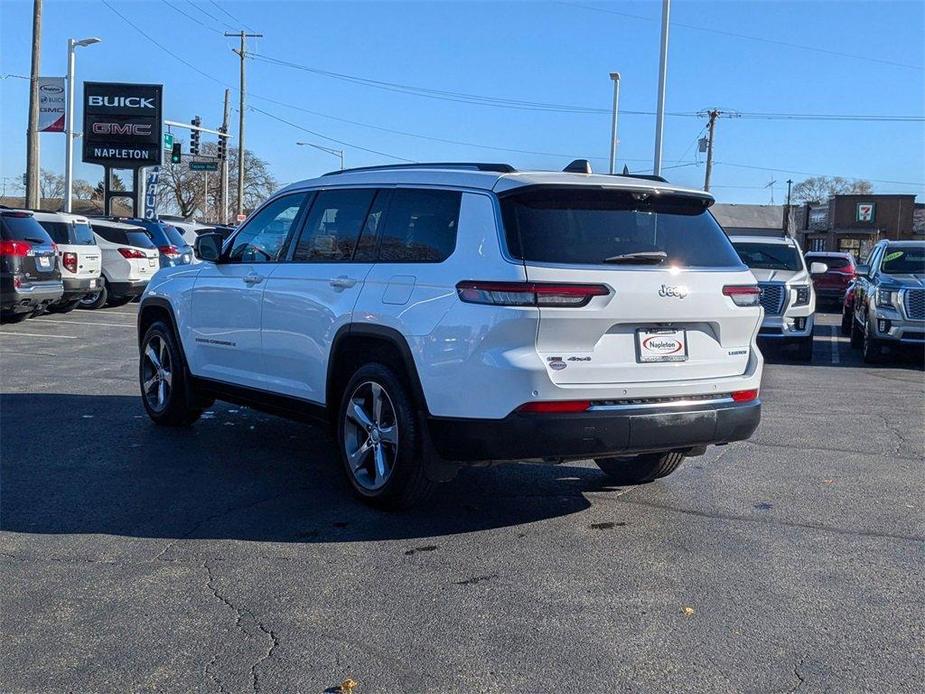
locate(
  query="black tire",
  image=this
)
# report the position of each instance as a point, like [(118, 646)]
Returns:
[(98, 301), (641, 468), (805, 349), (115, 302), (845, 322), (871, 347), (64, 308), (14, 317), (401, 481), (857, 337), (176, 404)]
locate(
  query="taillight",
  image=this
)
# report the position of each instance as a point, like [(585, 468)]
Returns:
[(529, 293), (17, 248), (745, 395), (743, 294), (556, 406), (131, 253), (170, 251), (69, 260)]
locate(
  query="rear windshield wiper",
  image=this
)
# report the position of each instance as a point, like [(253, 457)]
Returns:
[(33, 239), (654, 257)]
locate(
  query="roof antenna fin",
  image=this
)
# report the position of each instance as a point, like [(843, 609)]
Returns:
[(626, 170), (582, 166)]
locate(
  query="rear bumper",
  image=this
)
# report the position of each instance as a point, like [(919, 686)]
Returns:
[(594, 433), (127, 288), (29, 298), (79, 288)]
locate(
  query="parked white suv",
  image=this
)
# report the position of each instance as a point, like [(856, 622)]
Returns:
[(787, 293), (79, 258), (442, 314), (130, 260)]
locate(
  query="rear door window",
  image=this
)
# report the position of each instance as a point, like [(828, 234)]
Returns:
[(420, 226), (589, 226), (333, 226), (58, 231)]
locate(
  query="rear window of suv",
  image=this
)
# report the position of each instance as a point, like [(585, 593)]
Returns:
[(70, 233), (588, 226), (22, 227), (129, 237), (834, 262), (769, 256)]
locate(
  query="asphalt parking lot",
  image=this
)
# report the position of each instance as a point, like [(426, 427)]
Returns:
[(230, 557)]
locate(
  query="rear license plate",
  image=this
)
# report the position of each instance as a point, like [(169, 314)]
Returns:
[(152, 261), (44, 262), (661, 345)]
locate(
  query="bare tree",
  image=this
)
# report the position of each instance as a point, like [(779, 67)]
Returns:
[(51, 185), (181, 190), (83, 190), (821, 188)]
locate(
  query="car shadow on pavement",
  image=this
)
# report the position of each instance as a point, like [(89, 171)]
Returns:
[(77, 464)]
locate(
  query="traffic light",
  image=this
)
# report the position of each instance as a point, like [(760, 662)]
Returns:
[(222, 143), (194, 137), (176, 155)]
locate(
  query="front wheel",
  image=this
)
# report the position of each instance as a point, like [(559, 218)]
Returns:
[(640, 469), (857, 337), (871, 349), (162, 377), (379, 440)]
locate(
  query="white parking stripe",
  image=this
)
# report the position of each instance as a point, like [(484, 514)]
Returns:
[(835, 341), (63, 337), (85, 322)]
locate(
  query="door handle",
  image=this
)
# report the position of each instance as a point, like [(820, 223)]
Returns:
[(343, 282), (253, 278)]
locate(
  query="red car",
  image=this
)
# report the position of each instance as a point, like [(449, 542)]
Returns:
[(832, 285)]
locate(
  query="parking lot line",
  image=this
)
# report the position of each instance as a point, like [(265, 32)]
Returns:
[(86, 322), (62, 337)]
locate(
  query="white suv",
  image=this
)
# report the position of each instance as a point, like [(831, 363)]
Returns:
[(787, 292), (79, 258), (450, 313), (130, 260)]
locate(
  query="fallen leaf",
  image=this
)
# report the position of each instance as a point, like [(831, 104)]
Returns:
[(348, 685), (688, 611)]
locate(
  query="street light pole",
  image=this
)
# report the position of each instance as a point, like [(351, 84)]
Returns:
[(615, 76), (330, 150), (662, 80), (72, 45)]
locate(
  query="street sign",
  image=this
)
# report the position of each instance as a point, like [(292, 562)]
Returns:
[(203, 166), (168, 141)]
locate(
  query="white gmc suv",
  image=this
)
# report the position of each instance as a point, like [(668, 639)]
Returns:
[(441, 314)]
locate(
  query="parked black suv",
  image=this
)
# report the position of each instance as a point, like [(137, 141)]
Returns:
[(30, 279)]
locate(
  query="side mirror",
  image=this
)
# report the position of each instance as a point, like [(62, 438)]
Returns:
[(817, 268), (863, 270), (209, 247)]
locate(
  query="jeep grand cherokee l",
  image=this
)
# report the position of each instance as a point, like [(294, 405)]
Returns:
[(444, 314)]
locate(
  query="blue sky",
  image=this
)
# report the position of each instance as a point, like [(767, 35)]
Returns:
[(532, 51)]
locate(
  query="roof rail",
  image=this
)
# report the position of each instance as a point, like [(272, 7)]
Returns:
[(468, 166), (648, 177)]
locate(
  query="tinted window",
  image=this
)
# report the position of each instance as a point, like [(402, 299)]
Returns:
[(833, 261), (57, 231), (333, 226), (584, 226), (769, 256), (176, 238), (905, 260), (23, 228), (420, 226), (263, 238), (369, 238), (82, 234), (128, 237)]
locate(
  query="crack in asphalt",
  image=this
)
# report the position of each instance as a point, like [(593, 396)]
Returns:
[(771, 522), (752, 442), (241, 613), (798, 675)]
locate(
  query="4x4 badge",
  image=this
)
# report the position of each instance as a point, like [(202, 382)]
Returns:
[(679, 292)]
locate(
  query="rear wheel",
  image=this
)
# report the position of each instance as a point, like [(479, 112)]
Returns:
[(641, 468), (380, 442), (65, 308), (871, 348), (162, 376), (98, 300)]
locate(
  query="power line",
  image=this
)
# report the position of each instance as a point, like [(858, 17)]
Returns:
[(811, 173), (191, 17), (762, 39), (210, 15), (231, 16)]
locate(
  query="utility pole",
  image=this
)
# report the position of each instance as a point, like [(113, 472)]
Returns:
[(711, 128), (223, 198), (615, 76), (662, 82), (32, 133), (787, 210), (242, 54)]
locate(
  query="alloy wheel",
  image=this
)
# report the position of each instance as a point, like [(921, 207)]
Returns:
[(156, 373), (371, 435)]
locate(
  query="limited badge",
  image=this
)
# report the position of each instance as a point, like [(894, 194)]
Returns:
[(556, 363)]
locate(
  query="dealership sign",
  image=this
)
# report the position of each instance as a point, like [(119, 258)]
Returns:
[(51, 104), (122, 124)]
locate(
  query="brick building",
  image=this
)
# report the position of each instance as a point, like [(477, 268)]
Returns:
[(854, 223)]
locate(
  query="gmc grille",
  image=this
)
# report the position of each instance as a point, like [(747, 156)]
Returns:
[(915, 304), (772, 297)]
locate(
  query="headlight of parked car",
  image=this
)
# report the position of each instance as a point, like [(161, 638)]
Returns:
[(802, 295), (885, 298)]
